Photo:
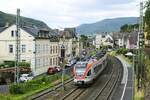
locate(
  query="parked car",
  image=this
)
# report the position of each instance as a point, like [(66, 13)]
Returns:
[(68, 65), (58, 68), (51, 70), (71, 63), (25, 77)]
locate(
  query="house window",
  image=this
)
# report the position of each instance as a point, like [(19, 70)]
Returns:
[(56, 49), (50, 49), (50, 61), (10, 48), (103, 36), (12, 33), (53, 61), (23, 48), (56, 61), (53, 49)]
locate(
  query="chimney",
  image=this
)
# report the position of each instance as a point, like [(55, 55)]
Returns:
[(7, 24)]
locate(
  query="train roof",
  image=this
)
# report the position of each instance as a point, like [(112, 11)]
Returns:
[(81, 64)]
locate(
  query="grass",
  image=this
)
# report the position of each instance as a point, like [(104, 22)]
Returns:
[(112, 53), (139, 94), (127, 59), (30, 93)]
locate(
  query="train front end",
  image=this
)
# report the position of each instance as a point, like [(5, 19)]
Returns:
[(82, 73)]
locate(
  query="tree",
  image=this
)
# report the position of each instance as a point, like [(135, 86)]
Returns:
[(147, 18), (84, 39), (129, 28)]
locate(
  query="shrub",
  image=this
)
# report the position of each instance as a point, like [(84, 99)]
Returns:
[(122, 51), (2, 65), (33, 84), (17, 88), (24, 64), (9, 63)]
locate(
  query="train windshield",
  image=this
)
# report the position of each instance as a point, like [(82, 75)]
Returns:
[(80, 71), (80, 68)]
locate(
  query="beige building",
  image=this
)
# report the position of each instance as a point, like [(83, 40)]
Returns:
[(71, 43), (38, 47)]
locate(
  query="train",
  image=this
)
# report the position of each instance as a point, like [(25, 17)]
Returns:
[(85, 72)]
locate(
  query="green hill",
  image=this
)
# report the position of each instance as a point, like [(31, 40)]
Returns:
[(106, 25), (9, 18)]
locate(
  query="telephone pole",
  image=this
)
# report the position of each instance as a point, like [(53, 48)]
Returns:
[(18, 52), (140, 45)]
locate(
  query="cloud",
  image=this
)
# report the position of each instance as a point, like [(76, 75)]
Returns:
[(70, 13)]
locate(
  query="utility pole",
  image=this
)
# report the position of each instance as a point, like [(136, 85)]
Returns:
[(62, 58), (140, 50), (18, 53)]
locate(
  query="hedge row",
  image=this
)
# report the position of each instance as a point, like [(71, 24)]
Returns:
[(7, 64), (23, 88), (122, 51)]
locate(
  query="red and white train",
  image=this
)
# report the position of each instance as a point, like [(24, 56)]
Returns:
[(86, 71)]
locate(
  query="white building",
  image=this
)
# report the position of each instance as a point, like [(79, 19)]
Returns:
[(103, 40), (37, 47)]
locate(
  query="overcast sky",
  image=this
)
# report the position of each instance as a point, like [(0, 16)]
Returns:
[(70, 13)]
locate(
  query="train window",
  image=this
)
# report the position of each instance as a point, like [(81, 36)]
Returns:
[(89, 73), (97, 68), (80, 71)]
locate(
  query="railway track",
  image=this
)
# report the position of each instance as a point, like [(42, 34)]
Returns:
[(107, 90), (44, 93), (74, 94)]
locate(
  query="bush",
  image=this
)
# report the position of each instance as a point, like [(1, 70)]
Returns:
[(2, 65), (17, 89), (9, 63), (122, 51), (24, 64), (33, 84), (12, 64)]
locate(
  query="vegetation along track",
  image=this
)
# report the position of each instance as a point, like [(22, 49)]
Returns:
[(108, 88)]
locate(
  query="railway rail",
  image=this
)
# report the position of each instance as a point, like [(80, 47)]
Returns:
[(40, 95), (107, 89), (74, 94)]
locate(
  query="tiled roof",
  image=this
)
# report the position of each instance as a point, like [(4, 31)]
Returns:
[(32, 31), (53, 36)]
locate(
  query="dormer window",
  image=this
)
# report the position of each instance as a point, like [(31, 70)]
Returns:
[(12, 33), (103, 36)]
